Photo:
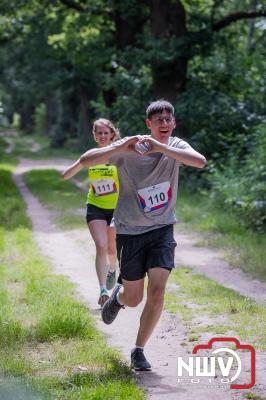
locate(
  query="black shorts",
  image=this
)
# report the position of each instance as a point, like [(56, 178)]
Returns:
[(94, 212), (138, 253)]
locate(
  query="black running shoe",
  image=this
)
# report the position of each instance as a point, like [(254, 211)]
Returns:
[(138, 361), (111, 307)]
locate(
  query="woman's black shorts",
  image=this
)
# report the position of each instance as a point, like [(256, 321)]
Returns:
[(138, 253), (94, 212)]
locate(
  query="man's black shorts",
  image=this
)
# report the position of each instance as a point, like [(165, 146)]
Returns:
[(94, 212), (138, 253)]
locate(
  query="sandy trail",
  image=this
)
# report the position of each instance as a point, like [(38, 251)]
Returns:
[(209, 262), (72, 254)]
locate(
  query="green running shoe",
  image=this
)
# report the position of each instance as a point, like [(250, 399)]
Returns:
[(110, 280)]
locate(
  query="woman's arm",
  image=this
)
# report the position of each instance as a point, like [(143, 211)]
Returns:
[(72, 170)]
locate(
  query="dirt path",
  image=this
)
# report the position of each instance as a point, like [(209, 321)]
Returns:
[(72, 254), (209, 263)]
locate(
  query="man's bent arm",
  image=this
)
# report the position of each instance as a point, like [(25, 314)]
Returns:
[(187, 156), (98, 156)]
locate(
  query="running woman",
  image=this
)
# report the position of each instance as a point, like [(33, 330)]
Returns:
[(101, 202)]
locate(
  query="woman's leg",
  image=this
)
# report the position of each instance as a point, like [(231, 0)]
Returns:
[(111, 233), (98, 230)]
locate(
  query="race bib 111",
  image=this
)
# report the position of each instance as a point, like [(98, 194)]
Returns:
[(103, 187)]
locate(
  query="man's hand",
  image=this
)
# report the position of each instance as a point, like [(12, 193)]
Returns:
[(141, 144), (148, 145), (129, 144)]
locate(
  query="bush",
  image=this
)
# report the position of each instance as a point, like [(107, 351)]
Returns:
[(40, 117), (241, 184)]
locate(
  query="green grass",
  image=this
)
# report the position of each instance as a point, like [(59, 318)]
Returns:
[(6, 161), (62, 197), (12, 213), (253, 396), (197, 296), (23, 146), (243, 248), (48, 340)]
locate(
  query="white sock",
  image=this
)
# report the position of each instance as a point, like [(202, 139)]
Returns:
[(102, 287), (117, 299), (137, 347)]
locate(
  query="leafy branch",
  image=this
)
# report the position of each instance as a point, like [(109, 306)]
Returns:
[(229, 19)]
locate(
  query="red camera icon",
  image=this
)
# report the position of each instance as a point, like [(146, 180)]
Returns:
[(239, 346)]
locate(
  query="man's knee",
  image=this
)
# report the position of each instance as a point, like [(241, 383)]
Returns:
[(156, 294), (133, 300)]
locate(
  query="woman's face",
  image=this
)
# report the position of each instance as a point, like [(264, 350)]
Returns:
[(103, 135)]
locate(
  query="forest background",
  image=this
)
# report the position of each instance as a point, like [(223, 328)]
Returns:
[(64, 63)]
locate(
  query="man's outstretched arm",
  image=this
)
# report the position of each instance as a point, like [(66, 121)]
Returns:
[(101, 156)]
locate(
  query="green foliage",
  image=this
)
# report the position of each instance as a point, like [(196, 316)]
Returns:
[(64, 320), (131, 101), (240, 185), (12, 210), (40, 117), (63, 64), (10, 330)]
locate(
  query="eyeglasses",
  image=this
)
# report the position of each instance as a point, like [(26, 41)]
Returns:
[(160, 120)]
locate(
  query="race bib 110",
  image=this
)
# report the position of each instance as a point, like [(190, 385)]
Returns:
[(154, 197)]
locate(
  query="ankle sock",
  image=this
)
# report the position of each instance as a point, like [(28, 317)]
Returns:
[(117, 299), (137, 347)]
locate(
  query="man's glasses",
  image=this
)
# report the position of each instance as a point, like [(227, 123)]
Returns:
[(160, 120)]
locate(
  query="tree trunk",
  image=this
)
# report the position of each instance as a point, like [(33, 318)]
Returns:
[(129, 20), (51, 106), (84, 116), (26, 121), (168, 20)]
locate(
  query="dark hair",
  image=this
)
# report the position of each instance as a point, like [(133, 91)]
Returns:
[(159, 106)]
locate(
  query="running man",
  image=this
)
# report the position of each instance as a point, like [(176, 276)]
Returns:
[(101, 202), (148, 168)]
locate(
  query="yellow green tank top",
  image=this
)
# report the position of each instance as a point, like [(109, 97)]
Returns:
[(104, 186)]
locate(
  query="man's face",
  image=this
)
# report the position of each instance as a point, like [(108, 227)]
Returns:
[(161, 126)]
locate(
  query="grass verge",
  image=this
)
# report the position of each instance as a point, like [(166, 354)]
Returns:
[(36, 147), (243, 248), (48, 341), (210, 307), (62, 197)]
